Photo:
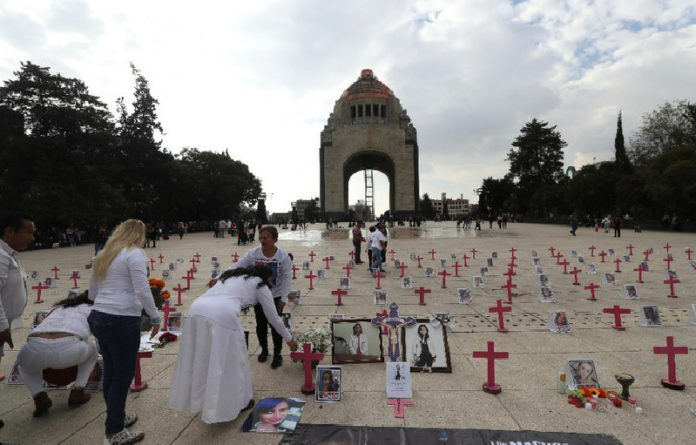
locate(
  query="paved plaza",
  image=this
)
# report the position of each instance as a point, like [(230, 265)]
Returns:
[(529, 400)]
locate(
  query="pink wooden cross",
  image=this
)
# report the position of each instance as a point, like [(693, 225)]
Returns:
[(672, 281), (188, 280), (75, 277), (327, 262), (592, 288), (509, 286), (235, 257), (167, 310), (311, 277), (444, 274), (565, 263), (490, 386), (192, 272), (38, 288), (152, 264), (473, 253), (312, 255), (421, 291), (617, 311), (161, 258), (669, 261), (667, 247), (347, 269), (670, 350), (512, 253), (398, 405), (379, 275), (138, 384), (688, 253), (640, 273), (465, 257), (419, 259), (552, 250), (592, 249), (403, 267), (558, 257), (392, 252), (352, 254), (630, 249), (618, 263), (294, 271), (575, 273), (178, 290), (193, 264), (55, 272), (456, 266), (307, 356), (500, 309), (647, 255), (432, 254), (338, 293), (198, 257), (602, 254)]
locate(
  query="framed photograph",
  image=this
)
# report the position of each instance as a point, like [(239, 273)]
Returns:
[(331, 258), (174, 322), (494, 255), (626, 258), (412, 256), (630, 292), (644, 265), (489, 263), (671, 273), (321, 274), (397, 263), (478, 282), (538, 270), (591, 269), (38, 318), (356, 341), (274, 415), (425, 347), (165, 274), (574, 253), (328, 384), (429, 272), (464, 295), (287, 320), (407, 283), (398, 380), (611, 252), (50, 282), (305, 265), (443, 263), (535, 254), (582, 374), (344, 283), (581, 259), (650, 316), (546, 294), (558, 322), (172, 266), (544, 280), (484, 271), (34, 275), (453, 256), (381, 297), (609, 278), (442, 317), (536, 261), (351, 264), (180, 260)]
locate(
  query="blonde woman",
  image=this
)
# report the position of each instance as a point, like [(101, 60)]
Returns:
[(120, 291)]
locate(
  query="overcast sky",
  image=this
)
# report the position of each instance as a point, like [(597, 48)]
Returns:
[(260, 77)]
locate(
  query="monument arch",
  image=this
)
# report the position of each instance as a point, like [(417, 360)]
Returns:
[(368, 129)]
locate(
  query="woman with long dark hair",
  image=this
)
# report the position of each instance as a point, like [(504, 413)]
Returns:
[(60, 341), (212, 370), (424, 349)]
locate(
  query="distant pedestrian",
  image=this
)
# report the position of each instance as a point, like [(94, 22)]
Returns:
[(616, 224), (357, 240), (573, 224)]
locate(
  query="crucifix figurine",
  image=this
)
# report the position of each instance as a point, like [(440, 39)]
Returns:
[(393, 322)]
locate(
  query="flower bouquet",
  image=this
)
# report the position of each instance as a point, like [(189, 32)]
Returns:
[(320, 340), (160, 296)]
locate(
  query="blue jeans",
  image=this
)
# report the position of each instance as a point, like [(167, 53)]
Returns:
[(119, 340), (357, 252), (376, 259)]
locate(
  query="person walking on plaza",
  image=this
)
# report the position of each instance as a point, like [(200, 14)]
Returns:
[(357, 240), (377, 244), (17, 232), (573, 224), (60, 341), (212, 370), (120, 291), (268, 254), (616, 224)]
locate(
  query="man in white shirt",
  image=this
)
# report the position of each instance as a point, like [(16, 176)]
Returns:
[(17, 232), (379, 243)]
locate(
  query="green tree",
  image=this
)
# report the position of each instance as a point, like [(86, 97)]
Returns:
[(261, 214), (536, 162), (497, 195), (670, 126), (426, 206), (620, 155)]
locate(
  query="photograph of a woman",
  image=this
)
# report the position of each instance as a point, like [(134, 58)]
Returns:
[(584, 374), (355, 341), (358, 341), (425, 346), (424, 353), (274, 415), (328, 384)]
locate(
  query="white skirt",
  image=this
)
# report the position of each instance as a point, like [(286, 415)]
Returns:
[(212, 371)]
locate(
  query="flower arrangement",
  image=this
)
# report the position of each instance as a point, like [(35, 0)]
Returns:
[(319, 338), (159, 295)]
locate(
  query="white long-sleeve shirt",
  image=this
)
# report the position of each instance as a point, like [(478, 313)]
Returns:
[(13, 287), (71, 320), (280, 264), (355, 341), (125, 289)]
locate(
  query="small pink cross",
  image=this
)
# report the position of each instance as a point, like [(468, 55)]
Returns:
[(311, 277), (592, 288), (338, 293), (421, 292), (398, 405)]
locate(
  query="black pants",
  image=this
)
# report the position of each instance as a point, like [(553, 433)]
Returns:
[(262, 329)]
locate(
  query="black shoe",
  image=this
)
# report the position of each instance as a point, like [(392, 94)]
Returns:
[(249, 406), (277, 361), (263, 356)]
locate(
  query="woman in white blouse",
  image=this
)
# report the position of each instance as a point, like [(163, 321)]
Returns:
[(59, 342), (120, 291), (358, 341)]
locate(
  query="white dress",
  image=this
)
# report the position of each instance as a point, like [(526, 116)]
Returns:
[(212, 368)]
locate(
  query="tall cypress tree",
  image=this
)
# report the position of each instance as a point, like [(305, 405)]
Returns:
[(619, 148)]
